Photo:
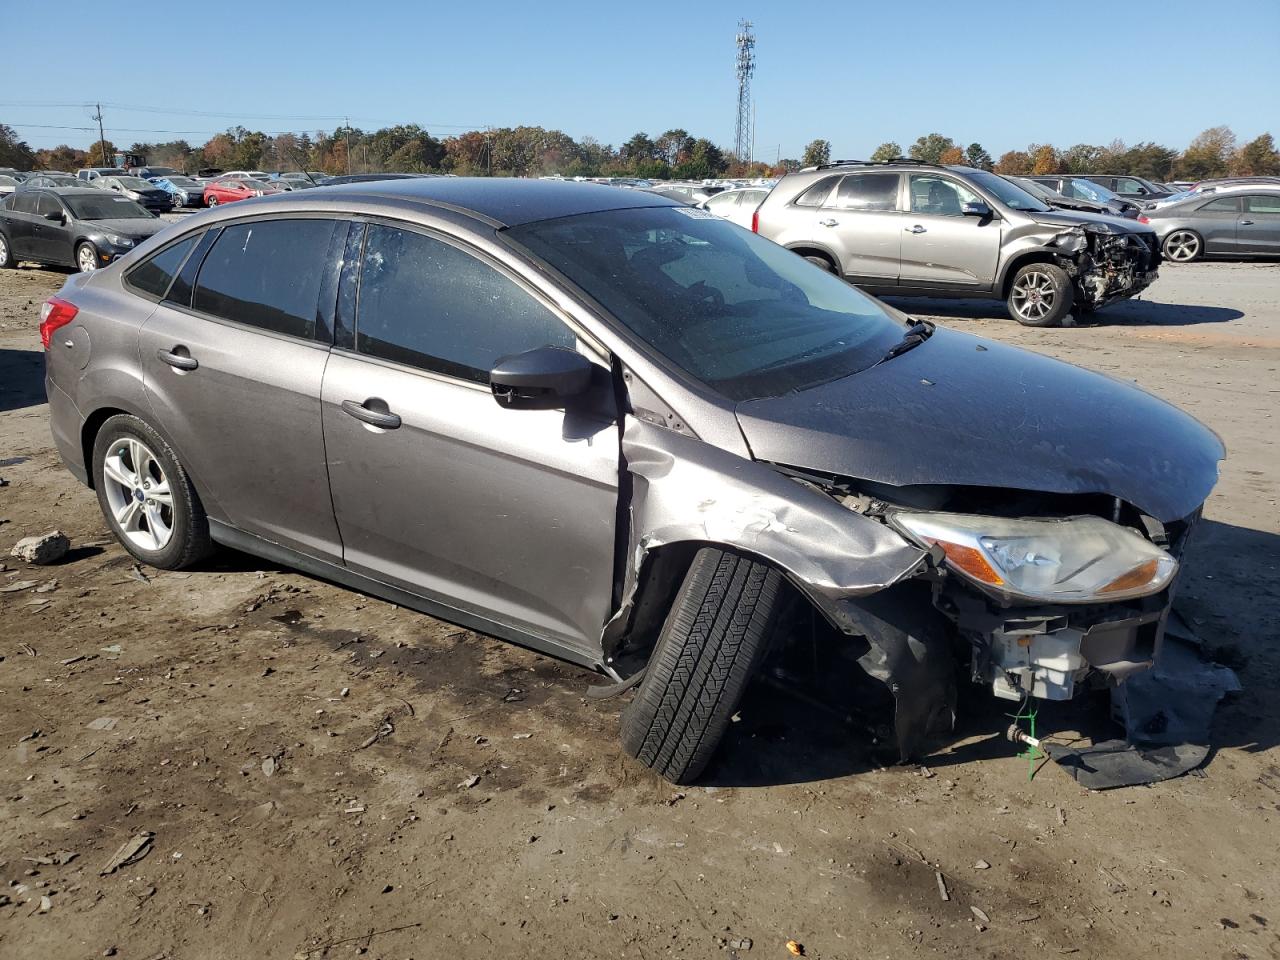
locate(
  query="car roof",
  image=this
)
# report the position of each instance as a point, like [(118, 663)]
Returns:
[(504, 201)]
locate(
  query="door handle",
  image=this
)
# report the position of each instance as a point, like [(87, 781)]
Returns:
[(916, 229), (179, 361), (377, 418), (828, 223), (1246, 223)]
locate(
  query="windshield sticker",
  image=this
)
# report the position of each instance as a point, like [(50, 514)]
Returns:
[(696, 214)]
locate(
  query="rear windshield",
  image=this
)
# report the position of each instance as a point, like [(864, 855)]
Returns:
[(105, 207), (737, 312)]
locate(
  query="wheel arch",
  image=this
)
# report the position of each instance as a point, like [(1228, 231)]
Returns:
[(807, 248), (1038, 255)]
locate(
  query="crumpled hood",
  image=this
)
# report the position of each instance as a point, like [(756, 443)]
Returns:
[(1071, 218), (133, 227), (962, 410)]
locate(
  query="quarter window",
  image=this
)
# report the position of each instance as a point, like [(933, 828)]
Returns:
[(428, 304), (266, 274), (817, 195), (868, 191), (1262, 204), (939, 196), (154, 274)]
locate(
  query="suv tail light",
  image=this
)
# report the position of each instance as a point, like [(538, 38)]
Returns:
[(755, 220), (55, 313)]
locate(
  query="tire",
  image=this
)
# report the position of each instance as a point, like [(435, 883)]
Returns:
[(820, 261), (1182, 246), (168, 536), (86, 257), (1041, 295), (7, 262), (212, 201), (713, 640)]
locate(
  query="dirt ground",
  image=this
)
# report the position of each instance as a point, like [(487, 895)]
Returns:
[(324, 775)]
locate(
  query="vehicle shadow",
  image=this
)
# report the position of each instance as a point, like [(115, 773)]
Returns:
[(1229, 597), (21, 378), (1126, 313)]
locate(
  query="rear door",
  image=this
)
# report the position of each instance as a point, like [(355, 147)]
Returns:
[(507, 514), (940, 245), (1259, 226), (21, 220), (862, 216), (233, 359)]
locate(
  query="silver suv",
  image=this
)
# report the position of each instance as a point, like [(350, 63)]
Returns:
[(620, 430), (919, 229)]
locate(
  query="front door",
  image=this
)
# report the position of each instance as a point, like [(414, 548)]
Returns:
[(233, 369), (506, 514), (1259, 226), (1218, 222), (51, 239), (940, 245)]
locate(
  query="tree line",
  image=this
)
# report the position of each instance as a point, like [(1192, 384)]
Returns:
[(536, 151), (1213, 153)]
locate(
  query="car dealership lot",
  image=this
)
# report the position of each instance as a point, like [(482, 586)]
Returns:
[(315, 765)]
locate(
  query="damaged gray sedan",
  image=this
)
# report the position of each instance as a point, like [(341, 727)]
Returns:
[(629, 434)]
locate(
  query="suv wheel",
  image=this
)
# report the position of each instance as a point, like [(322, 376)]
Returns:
[(820, 261), (710, 646), (1041, 295), (146, 496)]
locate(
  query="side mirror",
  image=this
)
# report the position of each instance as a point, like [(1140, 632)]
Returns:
[(55, 216), (540, 378), (975, 208)]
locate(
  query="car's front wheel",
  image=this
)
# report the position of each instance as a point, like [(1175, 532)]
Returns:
[(713, 640), (1041, 295), (212, 201), (146, 496), (86, 257), (1183, 246), (6, 254)]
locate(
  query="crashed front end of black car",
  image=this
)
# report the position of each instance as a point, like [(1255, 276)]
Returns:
[(1106, 264)]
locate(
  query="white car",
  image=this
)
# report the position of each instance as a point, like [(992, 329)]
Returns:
[(736, 205)]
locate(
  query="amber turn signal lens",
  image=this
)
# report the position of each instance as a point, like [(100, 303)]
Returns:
[(971, 561), (1139, 576)]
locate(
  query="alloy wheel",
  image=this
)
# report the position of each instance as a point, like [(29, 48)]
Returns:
[(1033, 295), (138, 494), (86, 258), (4, 251), (1182, 246)]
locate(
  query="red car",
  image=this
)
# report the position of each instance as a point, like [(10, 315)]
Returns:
[(236, 188)]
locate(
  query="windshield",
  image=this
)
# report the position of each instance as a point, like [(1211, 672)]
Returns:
[(133, 183), (737, 312), (106, 207), (1010, 194), (182, 182), (1037, 190)]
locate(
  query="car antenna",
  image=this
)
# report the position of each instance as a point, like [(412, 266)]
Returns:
[(293, 152)]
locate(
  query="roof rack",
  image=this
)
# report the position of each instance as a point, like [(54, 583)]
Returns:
[(875, 163)]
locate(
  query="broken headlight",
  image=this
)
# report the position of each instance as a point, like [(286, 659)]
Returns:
[(1077, 560), (1070, 241)]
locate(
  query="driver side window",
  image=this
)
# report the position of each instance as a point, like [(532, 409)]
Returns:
[(939, 196)]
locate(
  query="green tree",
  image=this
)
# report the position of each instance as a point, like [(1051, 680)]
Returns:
[(1080, 158), (14, 151), (674, 146), (1209, 154), (705, 160), (886, 151), (976, 156), (1153, 161), (1257, 158), (816, 152), (931, 147)]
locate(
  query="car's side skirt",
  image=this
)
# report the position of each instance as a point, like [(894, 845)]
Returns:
[(237, 539)]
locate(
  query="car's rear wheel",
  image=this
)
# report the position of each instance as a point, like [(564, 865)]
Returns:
[(818, 260), (713, 640), (1183, 246), (6, 254), (146, 496), (212, 201), (1041, 295), (86, 257)]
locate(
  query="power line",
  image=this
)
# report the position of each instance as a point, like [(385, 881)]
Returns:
[(299, 118)]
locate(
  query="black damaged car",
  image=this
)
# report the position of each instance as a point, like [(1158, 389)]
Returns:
[(85, 228)]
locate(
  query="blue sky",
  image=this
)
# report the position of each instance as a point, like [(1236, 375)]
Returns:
[(1002, 73)]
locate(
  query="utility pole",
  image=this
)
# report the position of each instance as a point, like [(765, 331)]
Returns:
[(346, 123), (102, 137), (752, 158)]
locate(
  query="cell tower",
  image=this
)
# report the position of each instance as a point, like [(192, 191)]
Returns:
[(746, 41)]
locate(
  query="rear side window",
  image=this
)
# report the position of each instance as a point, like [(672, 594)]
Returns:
[(153, 275), (868, 191), (431, 305), (1263, 204), (1222, 205), (266, 274), (817, 195), (23, 201)]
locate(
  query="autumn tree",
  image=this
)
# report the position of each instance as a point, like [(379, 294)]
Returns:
[(886, 151), (952, 155), (1014, 162), (976, 156), (1044, 159), (931, 147), (1209, 154), (1257, 158), (816, 153)]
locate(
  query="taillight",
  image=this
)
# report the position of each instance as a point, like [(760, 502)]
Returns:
[(1142, 219), (55, 313), (755, 220)]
